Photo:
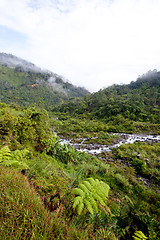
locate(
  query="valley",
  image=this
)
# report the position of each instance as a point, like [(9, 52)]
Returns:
[(76, 165)]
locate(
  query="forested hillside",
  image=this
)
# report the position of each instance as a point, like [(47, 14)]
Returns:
[(138, 101), (123, 108), (23, 83)]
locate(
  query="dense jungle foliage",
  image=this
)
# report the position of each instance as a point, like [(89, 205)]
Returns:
[(48, 190)]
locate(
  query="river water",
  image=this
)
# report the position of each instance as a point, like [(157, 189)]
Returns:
[(124, 138)]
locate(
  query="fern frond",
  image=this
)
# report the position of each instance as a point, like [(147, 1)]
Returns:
[(78, 191), (88, 206), (15, 163), (94, 204), (103, 190), (14, 159), (76, 201), (101, 193), (96, 181), (99, 199), (87, 184), (92, 181), (83, 187), (105, 186), (92, 193), (5, 150), (80, 208)]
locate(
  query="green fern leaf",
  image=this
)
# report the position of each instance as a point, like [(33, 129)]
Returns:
[(97, 182), (78, 191), (99, 199), (138, 234), (14, 159), (88, 206), (83, 187), (92, 181), (105, 186), (90, 193), (135, 238), (80, 208), (87, 184), (15, 163), (94, 204), (77, 201), (102, 189), (101, 193)]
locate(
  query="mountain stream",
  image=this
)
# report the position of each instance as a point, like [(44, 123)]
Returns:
[(124, 138)]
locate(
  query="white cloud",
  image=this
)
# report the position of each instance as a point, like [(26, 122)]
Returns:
[(93, 43)]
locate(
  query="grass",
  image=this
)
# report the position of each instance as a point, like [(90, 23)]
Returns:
[(23, 215), (22, 212)]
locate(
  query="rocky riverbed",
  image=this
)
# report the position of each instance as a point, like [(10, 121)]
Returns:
[(96, 149), (124, 138)]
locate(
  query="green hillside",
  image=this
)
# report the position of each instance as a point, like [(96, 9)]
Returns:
[(139, 101), (124, 108), (26, 87)]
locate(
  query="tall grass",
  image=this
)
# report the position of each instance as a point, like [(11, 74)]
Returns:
[(23, 215)]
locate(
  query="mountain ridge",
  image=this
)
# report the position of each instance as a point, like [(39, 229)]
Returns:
[(14, 61), (24, 83), (137, 101)]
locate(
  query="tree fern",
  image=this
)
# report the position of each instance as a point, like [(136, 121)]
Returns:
[(89, 194)]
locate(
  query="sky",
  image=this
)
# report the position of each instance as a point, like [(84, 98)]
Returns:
[(92, 43)]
